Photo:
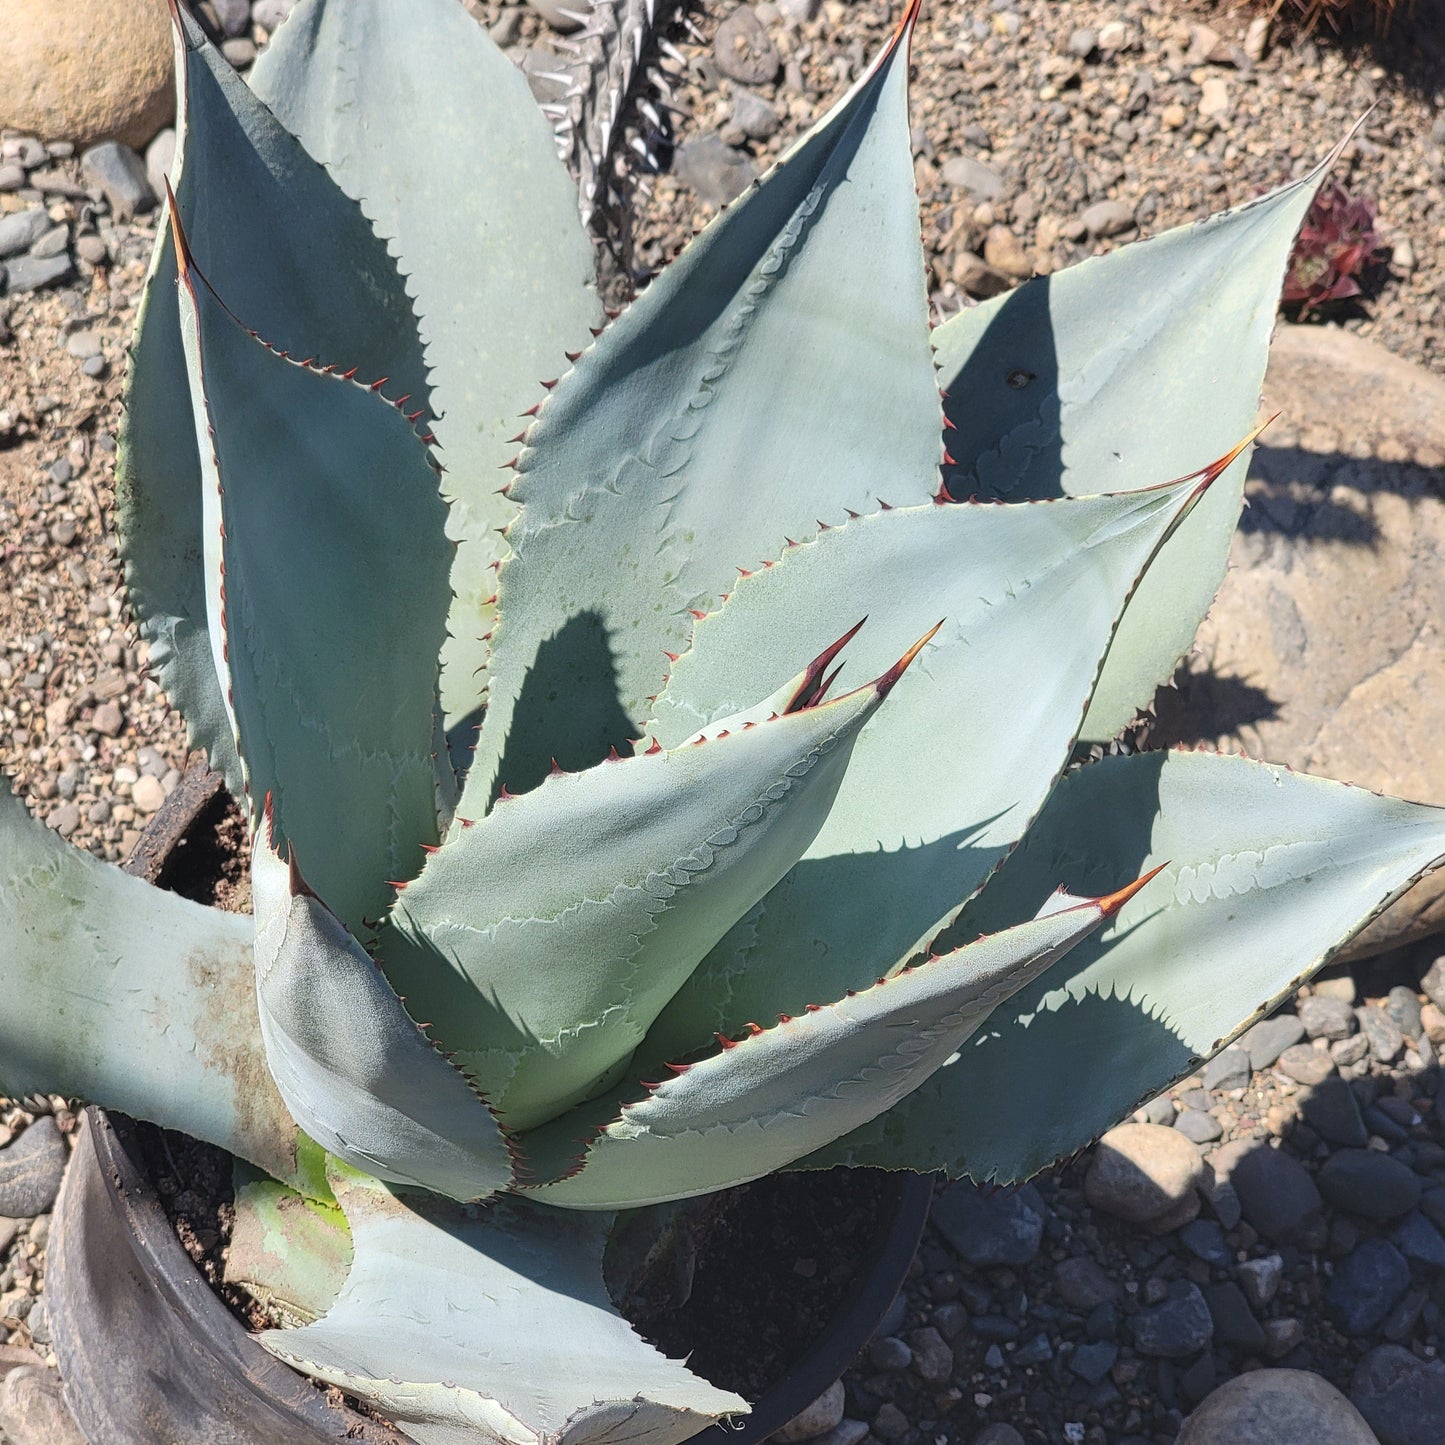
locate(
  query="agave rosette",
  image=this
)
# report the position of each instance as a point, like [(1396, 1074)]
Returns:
[(578, 878)]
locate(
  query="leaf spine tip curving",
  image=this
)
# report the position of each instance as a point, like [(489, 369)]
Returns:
[(1111, 903)]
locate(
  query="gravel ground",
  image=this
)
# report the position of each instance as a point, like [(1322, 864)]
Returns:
[(1038, 124), (1296, 1222), (1045, 130)]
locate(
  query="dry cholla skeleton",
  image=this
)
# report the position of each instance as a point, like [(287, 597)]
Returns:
[(824, 926), (609, 100)]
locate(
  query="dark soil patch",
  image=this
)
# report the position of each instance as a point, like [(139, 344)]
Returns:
[(777, 1260), (196, 845)]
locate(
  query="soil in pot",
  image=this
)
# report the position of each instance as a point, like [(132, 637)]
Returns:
[(776, 1261)]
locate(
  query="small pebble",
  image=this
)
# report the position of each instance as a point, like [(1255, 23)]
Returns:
[(1403, 1006), (1333, 1112), (1179, 1326), (160, 154), (1228, 1069), (1259, 1279), (1094, 1360), (990, 1228), (890, 1354), (1204, 1239), (109, 719), (1145, 1173), (1082, 1283), (83, 345), (65, 819), (240, 52), (1339, 986), (743, 50), (822, 1416), (981, 181), (1269, 1038), (755, 117), (1366, 1285), (890, 1423), (1369, 1183), (1276, 1193), (1326, 1018), (35, 273), (52, 243), (148, 794), (1349, 1051), (1281, 1335), (1386, 1041), (31, 1168), (1416, 1238), (20, 230), (714, 170), (932, 1357), (1195, 1124), (1306, 1064), (121, 175), (1234, 1323), (1107, 218)]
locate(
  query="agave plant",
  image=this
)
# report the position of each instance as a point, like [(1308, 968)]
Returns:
[(682, 912)]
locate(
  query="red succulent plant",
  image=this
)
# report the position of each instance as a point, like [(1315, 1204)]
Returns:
[(1336, 243)]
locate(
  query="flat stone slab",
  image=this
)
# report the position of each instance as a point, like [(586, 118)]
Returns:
[(1326, 646)]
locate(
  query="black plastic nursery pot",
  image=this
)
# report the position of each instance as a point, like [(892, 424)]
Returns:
[(151, 1354)]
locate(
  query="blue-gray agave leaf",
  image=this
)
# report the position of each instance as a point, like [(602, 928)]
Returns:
[(947, 779), (117, 991), (1112, 373), (1266, 872), (356, 1071), (776, 373), (433, 130), (545, 938), (778, 1093), (296, 257), (326, 566), (493, 1326)]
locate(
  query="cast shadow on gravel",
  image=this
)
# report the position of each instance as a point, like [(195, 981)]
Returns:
[(1411, 47), (1294, 493), (1229, 704), (1354, 1294)]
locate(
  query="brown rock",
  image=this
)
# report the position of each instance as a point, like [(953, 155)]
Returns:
[(1005, 252), (1326, 646), (87, 70), (1269, 1407), (973, 274), (1433, 1021), (108, 719), (33, 1410), (1147, 1174)]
